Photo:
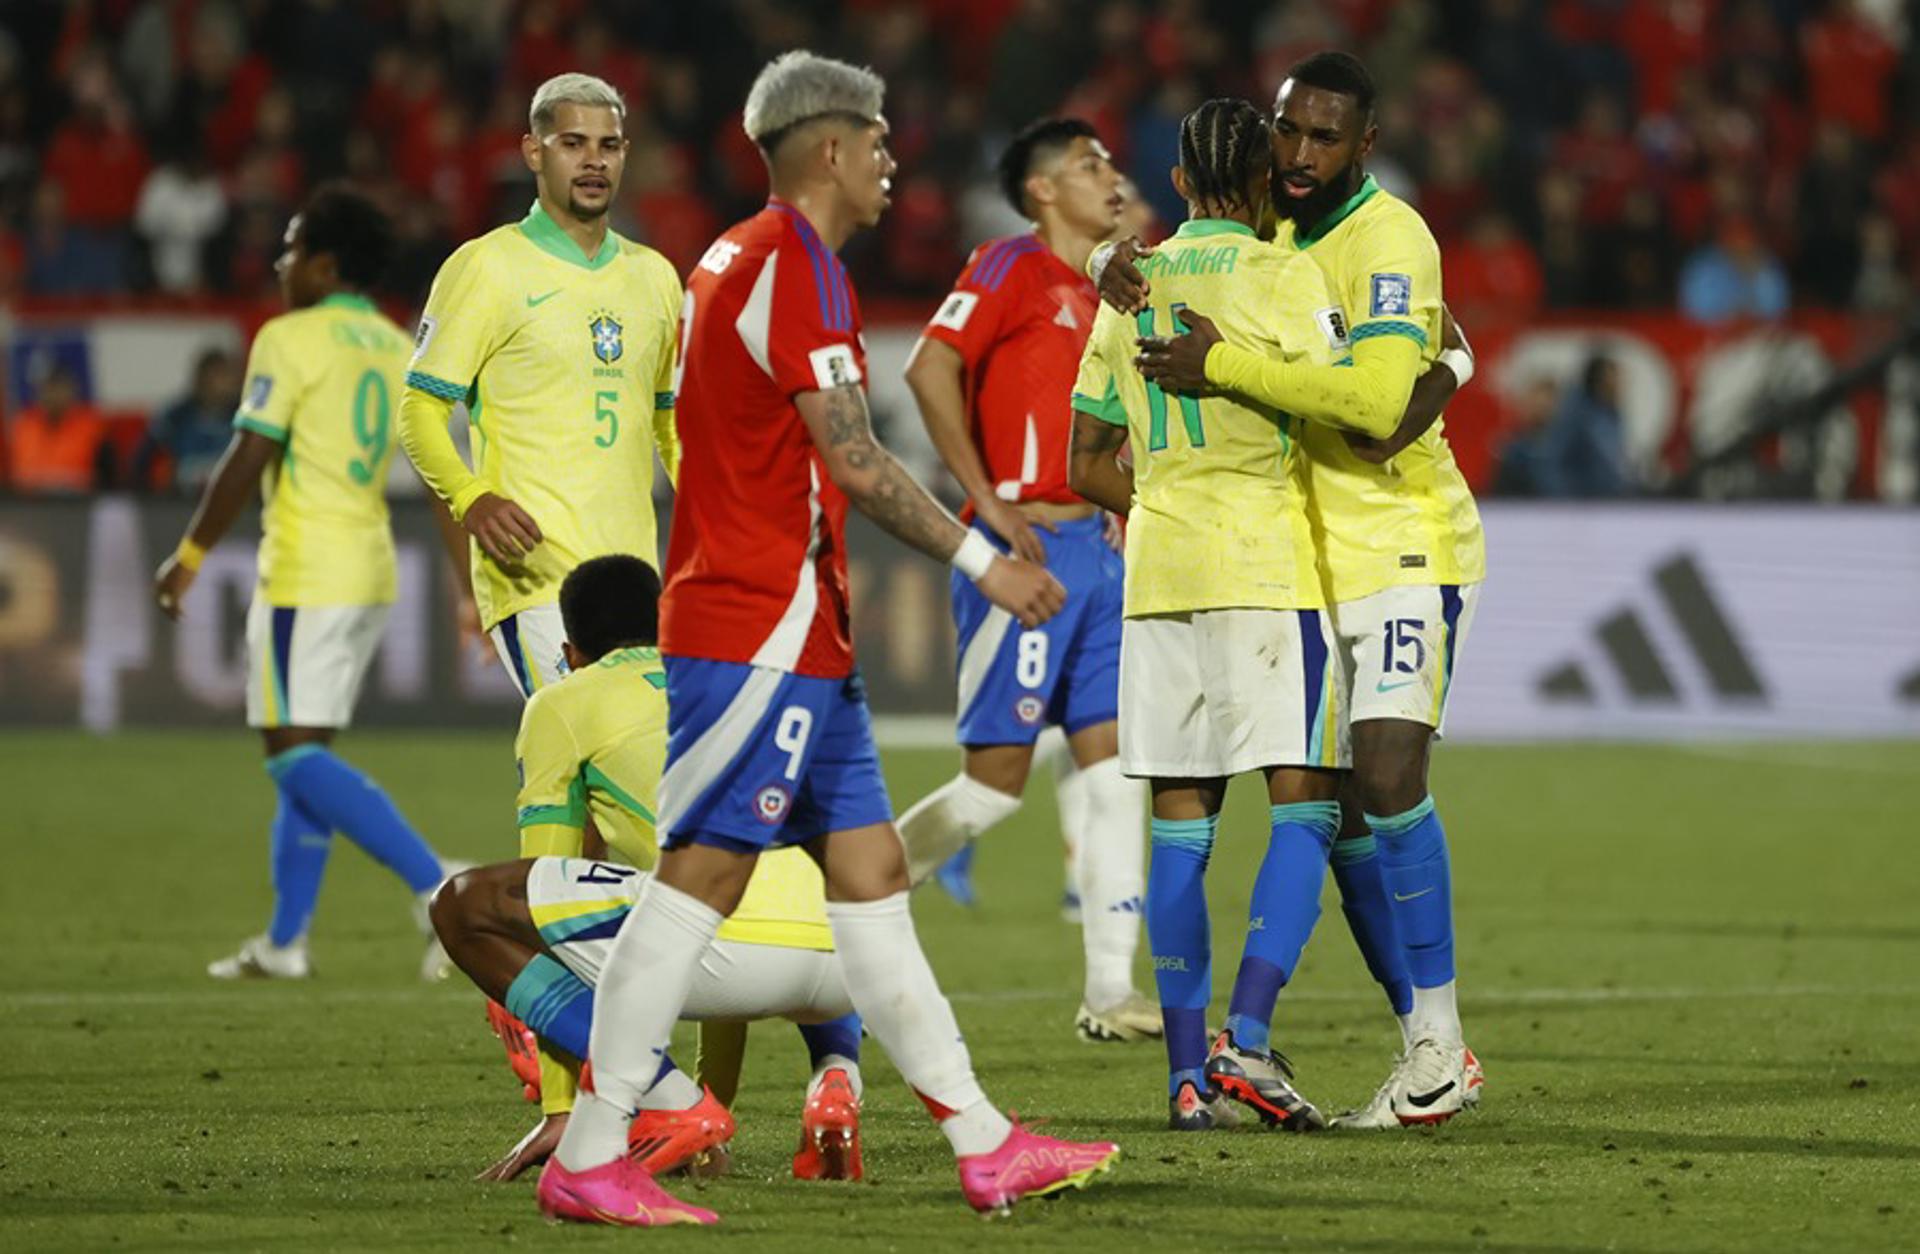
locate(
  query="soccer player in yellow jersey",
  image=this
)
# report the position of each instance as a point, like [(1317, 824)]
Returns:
[(1400, 540), (1226, 660), (534, 934), (313, 433), (560, 337)]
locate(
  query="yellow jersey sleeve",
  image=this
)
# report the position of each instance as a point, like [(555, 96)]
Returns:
[(457, 334), (275, 382), (666, 379), (553, 791), (1393, 282)]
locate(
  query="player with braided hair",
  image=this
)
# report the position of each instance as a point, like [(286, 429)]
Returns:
[(1226, 659)]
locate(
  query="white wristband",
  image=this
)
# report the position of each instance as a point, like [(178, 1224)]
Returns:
[(1097, 262), (974, 556), (1460, 362)]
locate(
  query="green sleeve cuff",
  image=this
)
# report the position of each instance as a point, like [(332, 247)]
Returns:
[(552, 816), (1108, 410), (452, 393), (1367, 330), (242, 423)]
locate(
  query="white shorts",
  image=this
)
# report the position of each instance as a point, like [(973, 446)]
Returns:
[(1399, 648), (1218, 692), (578, 906), (529, 647), (305, 663)]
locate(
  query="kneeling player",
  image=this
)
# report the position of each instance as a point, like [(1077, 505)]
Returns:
[(534, 935)]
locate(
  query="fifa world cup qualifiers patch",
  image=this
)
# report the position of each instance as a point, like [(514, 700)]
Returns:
[(834, 366), (424, 336), (258, 390), (1392, 294), (954, 314)]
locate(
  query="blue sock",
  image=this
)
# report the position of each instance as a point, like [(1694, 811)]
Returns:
[(554, 1002), (1177, 930), (558, 1006), (348, 802), (300, 847), (1363, 899), (1413, 862), (1285, 906), (842, 1037)]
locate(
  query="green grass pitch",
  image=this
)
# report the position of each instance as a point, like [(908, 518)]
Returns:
[(1693, 976)]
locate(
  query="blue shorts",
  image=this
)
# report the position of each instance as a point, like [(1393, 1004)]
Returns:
[(1066, 672), (758, 758)]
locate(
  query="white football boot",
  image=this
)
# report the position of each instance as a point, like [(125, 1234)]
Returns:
[(260, 959), (1135, 1019)]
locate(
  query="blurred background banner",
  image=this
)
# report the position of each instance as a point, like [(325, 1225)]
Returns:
[(1622, 621)]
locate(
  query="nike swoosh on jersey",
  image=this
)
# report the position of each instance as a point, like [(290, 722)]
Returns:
[(1410, 896), (1424, 1100), (1384, 686), (532, 301)]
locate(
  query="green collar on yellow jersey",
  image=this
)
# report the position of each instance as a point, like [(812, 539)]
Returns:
[(549, 238), (1325, 227), (1196, 228), (347, 300)]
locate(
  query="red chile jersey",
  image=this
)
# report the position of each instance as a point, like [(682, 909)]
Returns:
[(757, 566), (1019, 317)]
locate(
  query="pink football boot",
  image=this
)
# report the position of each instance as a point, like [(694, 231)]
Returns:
[(618, 1192), (1028, 1165)]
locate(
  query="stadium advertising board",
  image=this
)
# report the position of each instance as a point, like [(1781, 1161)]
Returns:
[(1630, 622)]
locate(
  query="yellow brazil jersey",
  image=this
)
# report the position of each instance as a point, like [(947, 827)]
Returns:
[(566, 363), (594, 744), (1218, 519), (323, 383), (1412, 520)]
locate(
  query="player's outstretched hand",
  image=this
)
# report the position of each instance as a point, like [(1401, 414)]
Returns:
[(506, 532), (534, 1148), (1179, 363), (1120, 282), (170, 584), (1028, 592), (1015, 528)]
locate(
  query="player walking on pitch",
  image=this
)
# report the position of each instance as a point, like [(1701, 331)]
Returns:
[(312, 434), (770, 742), (1403, 554), (993, 374), (1226, 659)]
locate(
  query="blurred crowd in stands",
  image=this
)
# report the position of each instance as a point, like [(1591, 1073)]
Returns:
[(1728, 158)]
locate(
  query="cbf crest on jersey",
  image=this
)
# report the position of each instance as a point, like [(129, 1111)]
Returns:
[(607, 343)]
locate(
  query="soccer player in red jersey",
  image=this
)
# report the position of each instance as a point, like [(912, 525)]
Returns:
[(768, 739), (994, 376)]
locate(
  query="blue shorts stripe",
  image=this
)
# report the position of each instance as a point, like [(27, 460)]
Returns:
[(510, 636), (283, 661), (1451, 604), (1313, 656)]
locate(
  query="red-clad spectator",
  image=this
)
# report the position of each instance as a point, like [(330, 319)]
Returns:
[(1850, 65), (1452, 194), (1600, 154), (597, 52), (673, 215), (1897, 188), (1492, 277), (1665, 39), (540, 48), (96, 156), (58, 444)]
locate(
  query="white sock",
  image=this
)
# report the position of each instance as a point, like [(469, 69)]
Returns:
[(675, 1090), (641, 991), (843, 1063), (894, 991), (1406, 1028), (1112, 879), (1435, 1014), (1070, 796), (941, 823)]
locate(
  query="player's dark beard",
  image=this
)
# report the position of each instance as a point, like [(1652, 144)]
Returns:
[(585, 213), (1308, 211)]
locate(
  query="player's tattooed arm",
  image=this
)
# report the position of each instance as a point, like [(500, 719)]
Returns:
[(873, 479), (1432, 392), (880, 487), (1094, 469)]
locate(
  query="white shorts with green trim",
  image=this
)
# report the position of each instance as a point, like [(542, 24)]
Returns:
[(1399, 647), (529, 647), (1218, 692), (305, 663), (578, 905)]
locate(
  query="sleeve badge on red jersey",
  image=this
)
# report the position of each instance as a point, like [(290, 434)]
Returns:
[(834, 366), (954, 313)]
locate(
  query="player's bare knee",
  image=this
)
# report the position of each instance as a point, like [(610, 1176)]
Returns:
[(1003, 768)]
